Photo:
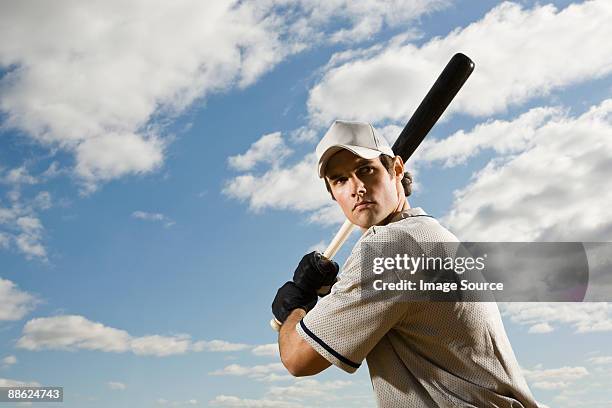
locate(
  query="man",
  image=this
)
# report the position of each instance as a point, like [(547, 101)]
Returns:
[(419, 354)]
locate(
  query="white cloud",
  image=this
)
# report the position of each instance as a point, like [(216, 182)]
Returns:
[(302, 393), (502, 136), (29, 244), (554, 378), (14, 303), (219, 346), (73, 332), (511, 47), (115, 385), (161, 346), (296, 187), (8, 361), (236, 402), (268, 350), (29, 224), (43, 200), (365, 17), (319, 246), (22, 224), (541, 328), (147, 216), (113, 155), (308, 388), (601, 360), (7, 382), (5, 240), (94, 93), (166, 403), (583, 317), (270, 148), (104, 94), (539, 182), (267, 372), (19, 175), (304, 135)]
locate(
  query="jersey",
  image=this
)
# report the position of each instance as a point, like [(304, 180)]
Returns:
[(419, 354)]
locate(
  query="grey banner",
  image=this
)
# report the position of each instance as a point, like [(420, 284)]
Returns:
[(31, 394), (486, 271)]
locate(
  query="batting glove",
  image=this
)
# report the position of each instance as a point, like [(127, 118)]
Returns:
[(290, 297), (315, 272)]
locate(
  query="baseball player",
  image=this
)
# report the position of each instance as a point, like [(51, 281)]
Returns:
[(419, 354)]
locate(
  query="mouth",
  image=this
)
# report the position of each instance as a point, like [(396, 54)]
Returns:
[(362, 204)]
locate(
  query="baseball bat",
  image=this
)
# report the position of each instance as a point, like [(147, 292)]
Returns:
[(442, 92)]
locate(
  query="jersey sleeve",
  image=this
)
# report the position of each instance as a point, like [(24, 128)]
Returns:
[(346, 324)]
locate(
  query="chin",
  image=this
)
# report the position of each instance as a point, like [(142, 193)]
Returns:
[(365, 222)]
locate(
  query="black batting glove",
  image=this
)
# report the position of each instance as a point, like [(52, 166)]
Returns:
[(315, 273), (290, 297)]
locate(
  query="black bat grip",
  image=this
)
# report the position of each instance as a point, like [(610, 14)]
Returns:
[(433, 105)]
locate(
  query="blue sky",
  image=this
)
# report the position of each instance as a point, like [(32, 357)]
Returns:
[(157, 183)]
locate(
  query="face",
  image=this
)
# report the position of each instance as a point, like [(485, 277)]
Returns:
[(364, 189)]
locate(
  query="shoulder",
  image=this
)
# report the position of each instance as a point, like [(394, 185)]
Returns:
[(419, 228)]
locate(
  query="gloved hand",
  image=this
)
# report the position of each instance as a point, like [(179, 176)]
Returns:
[(314, 272), (290, 297)]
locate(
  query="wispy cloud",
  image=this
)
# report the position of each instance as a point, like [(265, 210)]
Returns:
[(22, 226), (270, 148), (554, 378), (601, 360), (267, 372), (583, 317), (8, 361), (115, 385), (220, 346), (501, 136), (541, 328), (308, 388), (270, 350), (7, 382), (166, 403), (295, 187), (17, 176), (301, 393), (72, 332), (237, 402), (155, 217), (14, 303)]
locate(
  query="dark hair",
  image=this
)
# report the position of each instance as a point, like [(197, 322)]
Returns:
[(388, 162)]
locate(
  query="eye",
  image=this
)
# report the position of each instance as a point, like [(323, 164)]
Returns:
[(366, 170), (339, 181)]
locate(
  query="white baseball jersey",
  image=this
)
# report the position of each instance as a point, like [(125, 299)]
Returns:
[(420, 354)]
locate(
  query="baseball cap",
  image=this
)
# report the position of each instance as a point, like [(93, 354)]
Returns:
[(357, 137)]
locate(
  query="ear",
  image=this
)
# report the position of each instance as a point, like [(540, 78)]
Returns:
[(398, 167)]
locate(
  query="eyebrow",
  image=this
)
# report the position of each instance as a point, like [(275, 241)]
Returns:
[(360, 162)]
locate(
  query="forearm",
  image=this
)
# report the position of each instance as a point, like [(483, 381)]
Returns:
[(296, 354), (288, 335)]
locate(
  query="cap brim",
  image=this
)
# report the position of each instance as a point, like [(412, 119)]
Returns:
[(360, 151)]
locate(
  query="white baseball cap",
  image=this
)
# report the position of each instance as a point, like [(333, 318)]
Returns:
[(357, 137)]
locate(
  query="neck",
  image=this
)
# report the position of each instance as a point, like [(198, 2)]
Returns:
[(402, 205)]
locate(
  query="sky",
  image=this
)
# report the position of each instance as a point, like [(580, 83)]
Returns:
[(158, 181)]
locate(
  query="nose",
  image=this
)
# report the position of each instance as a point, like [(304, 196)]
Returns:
[(357, 187)]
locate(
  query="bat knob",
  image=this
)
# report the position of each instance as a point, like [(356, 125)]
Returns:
[(275, 324)]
